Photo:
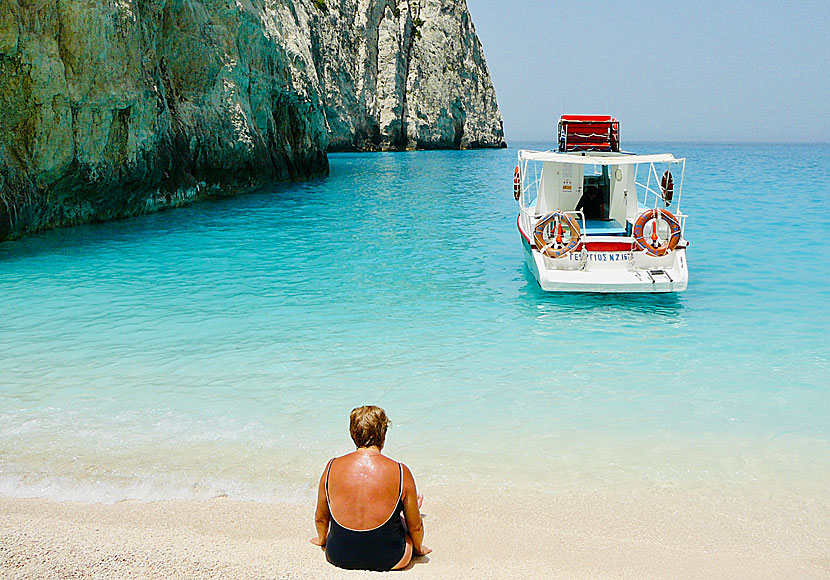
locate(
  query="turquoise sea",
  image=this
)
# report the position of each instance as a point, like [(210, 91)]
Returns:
[(218, 348)]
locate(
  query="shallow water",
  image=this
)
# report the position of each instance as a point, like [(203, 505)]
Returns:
[(219, 348)]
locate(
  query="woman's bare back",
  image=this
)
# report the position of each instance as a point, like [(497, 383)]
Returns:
[(363, 489)]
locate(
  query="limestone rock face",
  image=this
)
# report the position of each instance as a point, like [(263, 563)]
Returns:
[(110, 108), (398, 74)]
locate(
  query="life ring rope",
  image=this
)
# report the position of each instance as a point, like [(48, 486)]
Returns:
[(547, 246), (650, 247)]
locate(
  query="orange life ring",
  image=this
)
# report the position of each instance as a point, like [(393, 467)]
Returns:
[(667, 187), (652, 247), (517, 184), (553, 244)]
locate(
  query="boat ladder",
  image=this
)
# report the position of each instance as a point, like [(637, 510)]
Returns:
[(655, 274)]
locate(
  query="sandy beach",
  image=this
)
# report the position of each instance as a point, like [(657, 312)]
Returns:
[(515, 534)]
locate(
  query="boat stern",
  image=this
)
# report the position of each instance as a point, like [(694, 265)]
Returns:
[(608, 266)]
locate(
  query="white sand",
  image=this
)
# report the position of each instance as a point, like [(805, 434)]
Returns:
[(516, 534)]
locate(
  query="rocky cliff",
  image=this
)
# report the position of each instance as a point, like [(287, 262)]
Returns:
[(404, 74), (110, 108)]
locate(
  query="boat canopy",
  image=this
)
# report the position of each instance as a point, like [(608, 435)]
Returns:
[(589, 133), (596, 159)]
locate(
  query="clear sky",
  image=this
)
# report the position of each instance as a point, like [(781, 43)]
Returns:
[(680, 71)]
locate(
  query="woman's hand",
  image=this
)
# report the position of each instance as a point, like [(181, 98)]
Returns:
[(422, 552), (317, 541)]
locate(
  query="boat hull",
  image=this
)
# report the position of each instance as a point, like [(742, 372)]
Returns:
[(609, 272)]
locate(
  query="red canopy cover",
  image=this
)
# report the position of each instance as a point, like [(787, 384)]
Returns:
[(589, 133)]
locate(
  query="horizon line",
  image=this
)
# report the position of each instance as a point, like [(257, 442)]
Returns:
[(687, 141)]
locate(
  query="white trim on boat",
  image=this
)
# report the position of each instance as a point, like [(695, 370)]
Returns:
[(596, 158)]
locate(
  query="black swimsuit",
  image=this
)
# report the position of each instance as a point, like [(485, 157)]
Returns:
[(378, 549)]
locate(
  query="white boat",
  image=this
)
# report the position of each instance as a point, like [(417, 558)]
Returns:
[(593, 218)]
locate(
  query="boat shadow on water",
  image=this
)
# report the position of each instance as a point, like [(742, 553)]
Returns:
[(609, 306)]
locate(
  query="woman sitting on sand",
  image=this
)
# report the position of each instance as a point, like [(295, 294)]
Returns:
[(356, 495)]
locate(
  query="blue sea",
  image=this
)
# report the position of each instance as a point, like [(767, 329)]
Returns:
[(218, 348)]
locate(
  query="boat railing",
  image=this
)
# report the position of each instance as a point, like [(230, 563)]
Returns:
[(580, 215), (659, 200), (530, 184), (527, 216), (656, 190), (649, 192)]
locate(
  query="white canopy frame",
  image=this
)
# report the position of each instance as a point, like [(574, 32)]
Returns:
[(604, 159), (596, 157)]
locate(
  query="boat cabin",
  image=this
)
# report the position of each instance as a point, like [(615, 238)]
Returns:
[(605, 191)]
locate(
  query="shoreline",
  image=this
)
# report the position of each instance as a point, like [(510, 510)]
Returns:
[(519, 532)]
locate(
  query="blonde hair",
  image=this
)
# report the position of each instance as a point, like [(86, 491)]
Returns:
[(367, 426)]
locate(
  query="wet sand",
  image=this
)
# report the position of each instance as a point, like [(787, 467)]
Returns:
[(662, 533)]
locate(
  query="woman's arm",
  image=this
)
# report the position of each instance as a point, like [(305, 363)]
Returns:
[(321, 514), (412, 514)]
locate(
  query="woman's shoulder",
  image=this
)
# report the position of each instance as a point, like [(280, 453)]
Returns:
[(407, 474), (353, 457)]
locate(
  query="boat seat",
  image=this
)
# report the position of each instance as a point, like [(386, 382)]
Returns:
[(604, 228)]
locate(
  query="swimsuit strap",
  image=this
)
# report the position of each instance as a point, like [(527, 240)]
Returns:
[(328, 470), (400, 484)]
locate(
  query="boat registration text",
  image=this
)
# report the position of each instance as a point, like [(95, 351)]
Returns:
[(601, 256)]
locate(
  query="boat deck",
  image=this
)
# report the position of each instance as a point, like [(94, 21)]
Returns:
[(604, 228)]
